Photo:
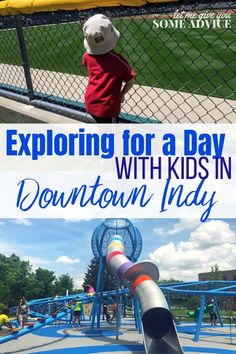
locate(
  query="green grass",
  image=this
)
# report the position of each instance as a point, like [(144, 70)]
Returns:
[(191, 60)]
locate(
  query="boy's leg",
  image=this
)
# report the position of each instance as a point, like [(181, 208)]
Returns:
[(24, 320), (8, 325), (21, 321), (74, 319)]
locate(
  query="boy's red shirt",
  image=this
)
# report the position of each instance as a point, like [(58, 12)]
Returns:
[(106, 73)]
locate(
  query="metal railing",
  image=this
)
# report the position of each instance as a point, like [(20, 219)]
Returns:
[(183, 53)]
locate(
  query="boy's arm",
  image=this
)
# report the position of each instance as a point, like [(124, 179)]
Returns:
[(84, 60), (126, 89)]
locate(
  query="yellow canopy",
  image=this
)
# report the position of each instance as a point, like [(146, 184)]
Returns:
[(13, 7)]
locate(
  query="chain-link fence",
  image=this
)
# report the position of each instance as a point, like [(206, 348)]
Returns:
[(183, 53)]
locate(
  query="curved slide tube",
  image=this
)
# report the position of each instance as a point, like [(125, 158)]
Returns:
[(160, 336), (36, 326)]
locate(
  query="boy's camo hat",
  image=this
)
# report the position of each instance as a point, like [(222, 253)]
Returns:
[(100, 36)]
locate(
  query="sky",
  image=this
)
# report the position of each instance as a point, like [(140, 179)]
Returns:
[(182, 248)]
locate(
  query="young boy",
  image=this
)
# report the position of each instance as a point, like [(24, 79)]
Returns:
[(77, 312), (22, 312), (5, 321), (107, 70)]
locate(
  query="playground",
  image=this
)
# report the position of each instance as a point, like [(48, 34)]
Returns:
[(136, 317)]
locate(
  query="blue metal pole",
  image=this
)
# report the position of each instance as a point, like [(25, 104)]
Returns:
[(117, 308), (200, 318), (124, 299), (120, 310), (139, 322), (67, 317), (218, 312), (99, 312), (96, 310), (140, 327), (101, 286), (135, 313)]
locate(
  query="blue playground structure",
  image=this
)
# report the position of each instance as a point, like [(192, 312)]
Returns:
[(204, 289), (117, 244)]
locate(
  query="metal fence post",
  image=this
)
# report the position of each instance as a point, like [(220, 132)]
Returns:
[(24, 57)]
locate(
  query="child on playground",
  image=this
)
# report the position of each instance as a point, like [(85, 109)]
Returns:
[(114, 313), (22, 311), (5, 321), (213, 315), (77, 312), (105, 311), (107, 70)]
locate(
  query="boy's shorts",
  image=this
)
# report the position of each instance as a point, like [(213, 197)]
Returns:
[(106, 120), (23, 317)]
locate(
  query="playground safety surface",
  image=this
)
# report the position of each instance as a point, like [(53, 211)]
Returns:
[(63, 339)]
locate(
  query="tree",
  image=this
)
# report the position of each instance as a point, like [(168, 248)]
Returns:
[(64, 283), (215, 273), (33, 289), (176, 299), (91, 275), (168, 281), (14, 275), (18, 279), (45, 279), (193, 301)]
